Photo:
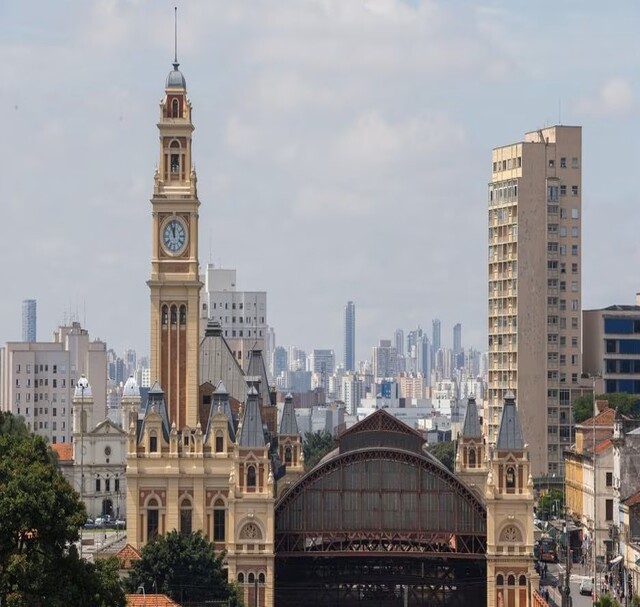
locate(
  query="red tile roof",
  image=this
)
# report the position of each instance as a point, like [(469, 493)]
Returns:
[(603, 446), (159, 600), (633, 500), (64, 451), (127, 555)]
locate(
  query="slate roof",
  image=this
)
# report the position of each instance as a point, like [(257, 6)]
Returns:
[(155, 400), (471, 427), (289, 423), (252, 431), (220, 402), (509, 432)]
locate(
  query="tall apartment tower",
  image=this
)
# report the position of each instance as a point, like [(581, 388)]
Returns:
[(457, 339), (435, 334), (535, 270), (29, 320), (350, 337)]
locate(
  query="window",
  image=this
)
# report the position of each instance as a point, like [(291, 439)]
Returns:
[(574, 232), (609, 479), (574, 190), (251, 476), (574, 214), (97, 485), (574, 342), (574, 268), (152, 519), (574, 304), (563, 249), (510, 478), (552, 193), (574, 322), (153, 442), (175, 107), (186, 511), (219, 532), (219, 441), (116, 486), (562, 231), (552, 163), (574, 163), (563, 190), (574, 250), (563, 162), (107, 485), (287, 456), (574, 286), (609, 510)]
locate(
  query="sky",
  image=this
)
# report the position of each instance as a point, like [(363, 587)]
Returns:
[(342, 149)]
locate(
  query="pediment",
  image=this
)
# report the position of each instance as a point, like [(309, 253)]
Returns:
[(107, 427)]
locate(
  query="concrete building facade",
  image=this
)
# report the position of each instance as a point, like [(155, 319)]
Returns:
[(38, 379), (29, 320), (534, 316)]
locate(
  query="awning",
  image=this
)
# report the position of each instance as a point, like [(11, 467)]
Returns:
[(615, 561)]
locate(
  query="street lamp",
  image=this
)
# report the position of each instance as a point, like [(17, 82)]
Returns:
[(83, 384), (144, 594), (595, 500)]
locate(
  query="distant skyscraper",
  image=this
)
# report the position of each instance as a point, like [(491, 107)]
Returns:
[(535, 288), (457, 339), (350, 337), (29, 320), (385, 360), (398, 338), (435, 335)]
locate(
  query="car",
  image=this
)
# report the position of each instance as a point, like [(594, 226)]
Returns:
[(586, 586), (100, 521), (120, 524), (89, 524)]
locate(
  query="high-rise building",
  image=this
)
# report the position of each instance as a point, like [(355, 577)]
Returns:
[(398, 339), (242, 314), (385, 360), (612, 346), (279, 361), (38, 379), (436, 328), (457, 339), (350, 337), (535, 272), (29, 320)]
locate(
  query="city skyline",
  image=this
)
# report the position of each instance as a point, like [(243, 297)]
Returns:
[(257, 73)]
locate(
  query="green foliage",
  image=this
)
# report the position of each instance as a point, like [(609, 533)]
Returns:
[(12, 424), (40, 516), (628, 404), (635, 601), (445, 452), (316, 446), (606, 600), (183, 566), (551, 503)]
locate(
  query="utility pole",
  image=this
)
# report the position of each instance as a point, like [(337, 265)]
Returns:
[(567, 601)]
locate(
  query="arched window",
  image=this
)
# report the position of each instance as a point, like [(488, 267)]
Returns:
[(511, 478), (500, 580), (183, 315), (472, 458), (219, 522), (152, 519), (175, 108), (219, 441), (261, 578), (165, 315), (241, 578), (511, 580), (522, 580), (153, 442), (287, 455), (175, 157), (174, 315), (186, 515), (252, 578), (83, 421), (251, 476)]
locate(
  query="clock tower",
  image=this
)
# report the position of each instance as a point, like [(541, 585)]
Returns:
[(174, 283)]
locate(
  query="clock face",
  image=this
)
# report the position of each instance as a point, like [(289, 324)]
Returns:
[(174, 236)]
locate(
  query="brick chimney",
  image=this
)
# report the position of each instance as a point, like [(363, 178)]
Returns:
[(601, 405)]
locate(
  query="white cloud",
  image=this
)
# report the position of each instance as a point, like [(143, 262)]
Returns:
[(615, 98)]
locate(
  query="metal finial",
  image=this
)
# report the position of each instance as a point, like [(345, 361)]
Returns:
[(175, 37)]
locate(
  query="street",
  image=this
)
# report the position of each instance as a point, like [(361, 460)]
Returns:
[(555, 574)]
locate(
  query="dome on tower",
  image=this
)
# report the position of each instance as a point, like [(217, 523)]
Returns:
[(175, 79), (83, 388), (130, 388)]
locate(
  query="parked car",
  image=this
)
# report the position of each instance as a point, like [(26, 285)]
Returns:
[(120, 524), (100, 521), (586, 586), (89, 524)]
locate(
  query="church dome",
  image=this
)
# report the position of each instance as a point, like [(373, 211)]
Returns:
[(83, 388), (130, 388), (175, 79)]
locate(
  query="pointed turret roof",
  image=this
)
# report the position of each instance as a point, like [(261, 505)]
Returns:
[(471, 427), (155, 402), (289, 423), (257, 374), (252, 432), (509, 432), (220, 404)]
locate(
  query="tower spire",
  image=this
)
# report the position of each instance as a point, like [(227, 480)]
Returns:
[(175, 37)]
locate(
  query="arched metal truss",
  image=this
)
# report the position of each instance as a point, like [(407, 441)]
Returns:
[(380, 501)]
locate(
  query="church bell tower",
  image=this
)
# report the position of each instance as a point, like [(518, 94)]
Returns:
[(174, 283)]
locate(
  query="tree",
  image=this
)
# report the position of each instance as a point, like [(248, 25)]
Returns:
[(445, 452), (316, 446), (627, 404), (551, 502), (12, 424), (606, 600), (41, 515), (183, 566)]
